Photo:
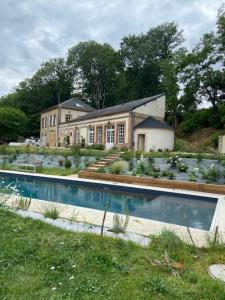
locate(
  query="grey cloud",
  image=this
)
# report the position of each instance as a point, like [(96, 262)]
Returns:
[(32, 31)]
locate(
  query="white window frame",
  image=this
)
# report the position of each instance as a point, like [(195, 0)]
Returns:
[(91, 135), (100, 135), (121, 134)]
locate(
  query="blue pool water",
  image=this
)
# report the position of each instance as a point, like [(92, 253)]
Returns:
[(186, 210)]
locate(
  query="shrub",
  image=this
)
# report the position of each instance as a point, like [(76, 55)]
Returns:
[(67, 164), (95, 147), (101, 170), (75, 149), (194, 121), (174, 160), (155, 175), (138, 154), (215, 139), (141, 169), (61, 162), (212, 174), (119, 167), (156, 168), (150, 160), (164, 173), (182, 167), (51, 213), (128, 155), (124, 149), (171, 175)]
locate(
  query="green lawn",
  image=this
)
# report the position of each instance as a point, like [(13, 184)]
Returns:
[(50, 151), (38, 261), (60, 171)]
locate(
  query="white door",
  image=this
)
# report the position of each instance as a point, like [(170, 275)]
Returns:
[(110, 137)]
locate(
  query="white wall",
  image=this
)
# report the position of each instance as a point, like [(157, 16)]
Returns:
[(155, 138), (154, 108)]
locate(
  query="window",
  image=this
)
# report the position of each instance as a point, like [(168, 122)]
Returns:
[(91, 135), (46, 121), (99, 137), (68, 117), (121, 133), (43, 123), (54, 120), (50, 120)]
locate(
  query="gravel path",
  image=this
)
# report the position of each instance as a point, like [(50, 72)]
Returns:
[(84, 227)]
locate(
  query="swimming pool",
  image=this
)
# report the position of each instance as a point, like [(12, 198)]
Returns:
[(175, 208)]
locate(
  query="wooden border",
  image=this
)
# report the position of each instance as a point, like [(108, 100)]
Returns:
[(164, 183)]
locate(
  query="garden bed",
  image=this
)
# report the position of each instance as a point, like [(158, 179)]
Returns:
[(164, 183), (172, 168)]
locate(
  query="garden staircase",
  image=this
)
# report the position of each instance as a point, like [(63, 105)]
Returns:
[(103, 162)]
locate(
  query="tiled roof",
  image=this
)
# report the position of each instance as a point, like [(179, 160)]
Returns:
[(152, 122), (72, 104), (125, 107), (76, 103)]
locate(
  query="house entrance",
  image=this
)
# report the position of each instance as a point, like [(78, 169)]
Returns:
[(141, 142), (110, 137)]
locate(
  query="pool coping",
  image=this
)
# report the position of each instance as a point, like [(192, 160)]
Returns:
[(138, 225)]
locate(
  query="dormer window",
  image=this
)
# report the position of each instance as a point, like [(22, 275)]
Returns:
[(68, 117)]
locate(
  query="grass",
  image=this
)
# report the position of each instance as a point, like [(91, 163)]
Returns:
[(48, 171), (58, 171), (51, 213), (38, 261), (6, 150)]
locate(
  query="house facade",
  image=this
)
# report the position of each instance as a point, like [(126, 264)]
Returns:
[(136, 125)]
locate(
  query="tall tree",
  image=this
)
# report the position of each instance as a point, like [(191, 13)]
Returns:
[(12, 124), (96, 69), (142, 56), (170, 85), (202, 70)]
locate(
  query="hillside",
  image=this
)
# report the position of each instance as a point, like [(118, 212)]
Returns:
[(203, 140)]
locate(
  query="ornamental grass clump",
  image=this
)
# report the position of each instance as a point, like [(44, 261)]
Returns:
[(24, 203), (119, 167), (120, 223), (51, 212)]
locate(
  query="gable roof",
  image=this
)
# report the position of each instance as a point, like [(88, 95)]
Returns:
[(72, 104), (152, 122), (125, 107)]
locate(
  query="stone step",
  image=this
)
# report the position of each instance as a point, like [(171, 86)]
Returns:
[(92, 168), (100, 166)]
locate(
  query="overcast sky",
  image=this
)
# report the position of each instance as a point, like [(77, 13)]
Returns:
[(32, 31)]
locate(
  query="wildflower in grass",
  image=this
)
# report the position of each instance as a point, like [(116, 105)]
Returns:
[(52, 268), (54, 288), (71, 277)]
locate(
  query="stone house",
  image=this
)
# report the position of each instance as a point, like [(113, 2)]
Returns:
[(136, 125)]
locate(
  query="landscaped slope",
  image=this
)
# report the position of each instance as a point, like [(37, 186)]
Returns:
[(38, 261)]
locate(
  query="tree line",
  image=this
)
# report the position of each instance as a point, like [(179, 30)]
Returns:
[(145, 64)]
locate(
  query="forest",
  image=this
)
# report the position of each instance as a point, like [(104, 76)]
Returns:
[(145, 64)]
